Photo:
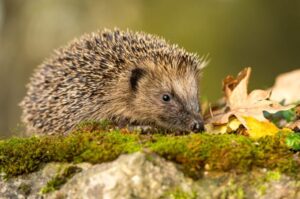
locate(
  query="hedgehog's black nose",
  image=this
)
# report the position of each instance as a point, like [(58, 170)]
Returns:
[(197, 126)]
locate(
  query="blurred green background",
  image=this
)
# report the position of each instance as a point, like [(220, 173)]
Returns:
[(264, 34)]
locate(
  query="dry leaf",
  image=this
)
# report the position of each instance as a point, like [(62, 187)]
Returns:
[(241, 104), (256, 128), (295, 126), (287, 88), (230, 127)]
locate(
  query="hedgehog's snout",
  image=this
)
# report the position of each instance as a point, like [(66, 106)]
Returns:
[(197, 126)]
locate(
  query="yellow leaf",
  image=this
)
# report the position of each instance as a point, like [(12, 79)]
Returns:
[(257, 129), (233, 125), (229, 127)]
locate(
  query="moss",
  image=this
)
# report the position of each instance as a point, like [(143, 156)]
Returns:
[(293, 141), (60, 179), (262, 189), (225, 152), (24, 155), (24, 189), (232, 191), (261, 182), (178, 193), (273, 176), (195, 152)]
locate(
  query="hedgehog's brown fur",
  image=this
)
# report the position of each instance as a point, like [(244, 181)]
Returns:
[(114, 75)]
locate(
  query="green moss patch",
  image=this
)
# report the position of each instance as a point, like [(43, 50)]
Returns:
[(60, 179), (24, 189), (293, 141), (178, 193), (194, 152)]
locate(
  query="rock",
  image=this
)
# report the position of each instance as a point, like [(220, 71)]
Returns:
[(144, 175), (138, 175), (30, 185), (257, 184)]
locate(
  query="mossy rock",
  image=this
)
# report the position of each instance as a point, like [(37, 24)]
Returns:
[(195, 153)]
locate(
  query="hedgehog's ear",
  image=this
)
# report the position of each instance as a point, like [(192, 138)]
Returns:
[(136, 75)]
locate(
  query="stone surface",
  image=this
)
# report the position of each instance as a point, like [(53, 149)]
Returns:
[(144, 175), (131, 176), (29, 186)]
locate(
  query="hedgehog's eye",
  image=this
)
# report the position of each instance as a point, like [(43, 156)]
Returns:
[(166, 97)]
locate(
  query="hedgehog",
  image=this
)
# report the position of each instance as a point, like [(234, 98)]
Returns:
[(128, 78)]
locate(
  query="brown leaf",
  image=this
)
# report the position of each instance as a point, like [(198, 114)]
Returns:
[(295, 126), (241, 104), (287, 87), (241, 81)]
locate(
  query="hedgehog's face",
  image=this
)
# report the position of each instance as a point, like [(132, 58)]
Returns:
[(168, 99)]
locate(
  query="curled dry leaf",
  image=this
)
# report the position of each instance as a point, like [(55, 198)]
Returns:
[(287, 88), (240, 104), (295, 126)]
